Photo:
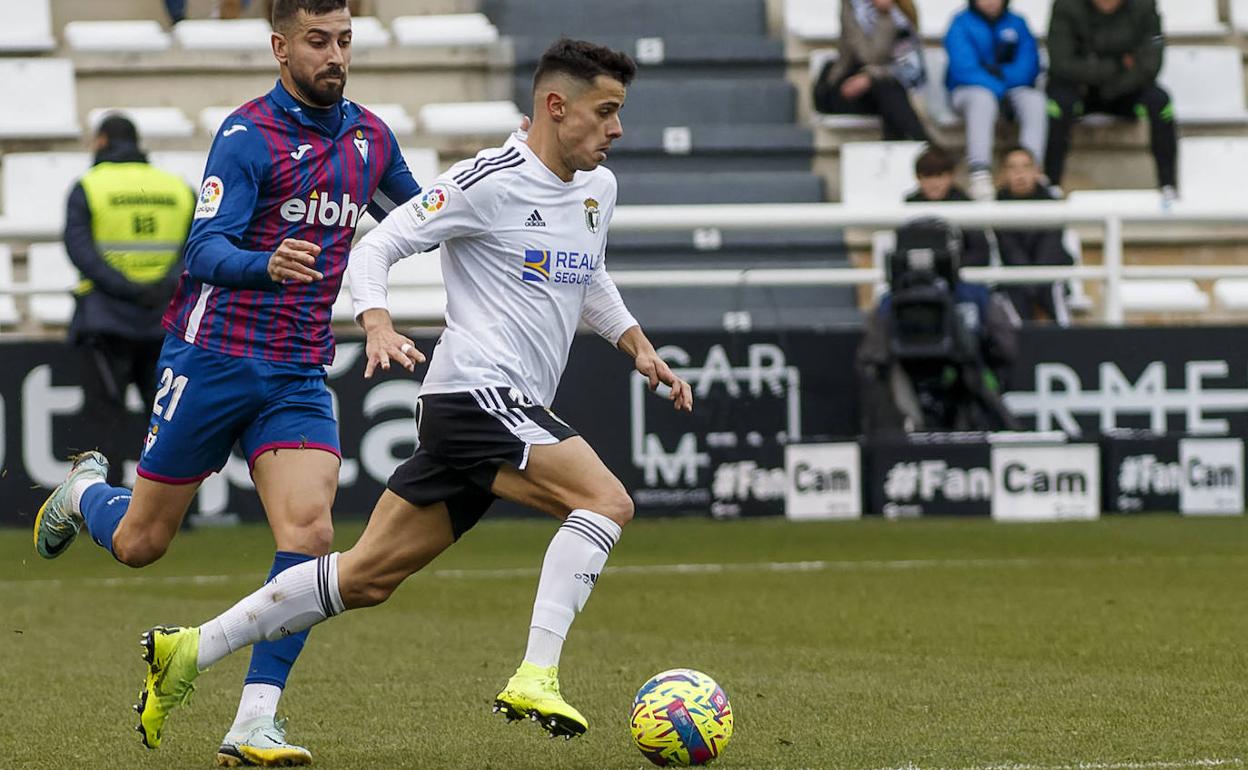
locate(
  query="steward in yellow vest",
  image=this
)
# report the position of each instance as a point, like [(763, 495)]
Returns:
[(125, 226)]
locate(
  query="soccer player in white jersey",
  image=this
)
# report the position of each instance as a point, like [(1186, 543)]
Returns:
[(523, 230)]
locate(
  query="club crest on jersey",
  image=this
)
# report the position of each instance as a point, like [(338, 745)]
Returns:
[(593, 217), (210, 194), (361, 144)]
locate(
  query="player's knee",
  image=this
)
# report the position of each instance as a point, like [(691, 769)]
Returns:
[(139, 550), (617, 507), (313, 535)]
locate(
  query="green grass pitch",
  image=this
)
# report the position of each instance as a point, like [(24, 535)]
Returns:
[(924, 644)]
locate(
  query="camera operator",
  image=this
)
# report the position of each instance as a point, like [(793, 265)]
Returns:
[(936, 349)]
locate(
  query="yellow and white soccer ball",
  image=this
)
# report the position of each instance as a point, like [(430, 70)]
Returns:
[(681, 717)]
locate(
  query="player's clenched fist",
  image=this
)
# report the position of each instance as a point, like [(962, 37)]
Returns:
[(295, 260)]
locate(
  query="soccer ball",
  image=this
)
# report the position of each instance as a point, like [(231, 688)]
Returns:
[(681, 717)]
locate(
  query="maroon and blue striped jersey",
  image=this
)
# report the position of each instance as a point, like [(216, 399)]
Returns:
[(275, 172)]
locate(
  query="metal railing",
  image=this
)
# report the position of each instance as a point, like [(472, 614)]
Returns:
[(1180, 217)]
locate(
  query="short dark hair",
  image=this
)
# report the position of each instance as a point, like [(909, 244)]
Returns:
[(1013, 148), (117, 130), (285, 11), (933, 161), (584, 61)]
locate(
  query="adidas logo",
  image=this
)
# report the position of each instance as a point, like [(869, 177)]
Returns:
[(535, 220)]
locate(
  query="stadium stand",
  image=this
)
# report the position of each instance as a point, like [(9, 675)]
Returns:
[(49, 269), (36, 185), (1231, 293), (369, 33), (188, 164), (152, 122), (1206, 84), (39, 97), (1191, 18), (8, 306), (877, 173), (27, 27), (117, 36), (1163, 296), (496, 118), (223, 35), (444, 29)]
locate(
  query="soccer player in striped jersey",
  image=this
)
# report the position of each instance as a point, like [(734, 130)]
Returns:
[(523, 232), (248, 333)]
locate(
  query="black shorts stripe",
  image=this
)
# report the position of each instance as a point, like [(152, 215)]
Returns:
[(595, 539), (509, 154), (486, 172)]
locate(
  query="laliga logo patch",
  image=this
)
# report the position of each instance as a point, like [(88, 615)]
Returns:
[(210, 194), (593, 218), (434, 199), (361, 144)]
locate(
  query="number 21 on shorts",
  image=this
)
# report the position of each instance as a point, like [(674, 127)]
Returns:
[(169, 382)]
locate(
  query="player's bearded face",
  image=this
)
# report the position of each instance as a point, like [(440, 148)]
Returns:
[(592, 123), (318, 51)]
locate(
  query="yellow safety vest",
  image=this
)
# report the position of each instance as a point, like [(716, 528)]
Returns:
[(140, 216)]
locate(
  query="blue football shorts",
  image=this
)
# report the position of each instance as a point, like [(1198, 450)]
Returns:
[(206, 402)]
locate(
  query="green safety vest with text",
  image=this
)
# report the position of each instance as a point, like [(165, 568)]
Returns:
[(140, 216)]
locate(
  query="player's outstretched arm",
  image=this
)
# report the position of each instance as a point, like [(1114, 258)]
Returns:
[(646, 360)]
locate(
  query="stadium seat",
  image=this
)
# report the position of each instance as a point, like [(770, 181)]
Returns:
[(49, 269), (813, 20), (368, 32), (877, 173), (1163, 296), (8, 307), (720, 187), (935, 15), (416, 289), (1036, 13), (188, 164), (152, 122), (36, 185), (211, 118), (703, 101), (470, 118), (1231, 293), (637, 17), (1210, 166), (1116, 199), (39, 99), (1206, 83), (684, 54), (117, 36), (713, 147), (395, 116), (223, 35), (1190, 18), (27, 27), (1239, 15), (465, 29), (422, 162)]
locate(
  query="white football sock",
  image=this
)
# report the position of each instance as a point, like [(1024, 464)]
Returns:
[(75, 492), (258, 700), (295, 599), (570, 570)]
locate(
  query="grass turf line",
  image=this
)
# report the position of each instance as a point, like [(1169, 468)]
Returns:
[(1111, 644)]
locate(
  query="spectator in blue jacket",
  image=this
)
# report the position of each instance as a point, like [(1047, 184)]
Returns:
[(993, 65)]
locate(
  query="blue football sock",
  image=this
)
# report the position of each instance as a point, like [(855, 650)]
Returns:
[(103, 506), (271, 661)]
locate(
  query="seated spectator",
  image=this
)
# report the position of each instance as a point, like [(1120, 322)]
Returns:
[(1031, 247), (934, 171), (1104, 56), (993, 65), (880, 59)]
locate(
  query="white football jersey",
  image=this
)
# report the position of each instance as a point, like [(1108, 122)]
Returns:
[(523, 258)]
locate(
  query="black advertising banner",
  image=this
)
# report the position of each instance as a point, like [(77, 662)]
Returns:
[(904, 480), (753, 393), (751, 396)]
